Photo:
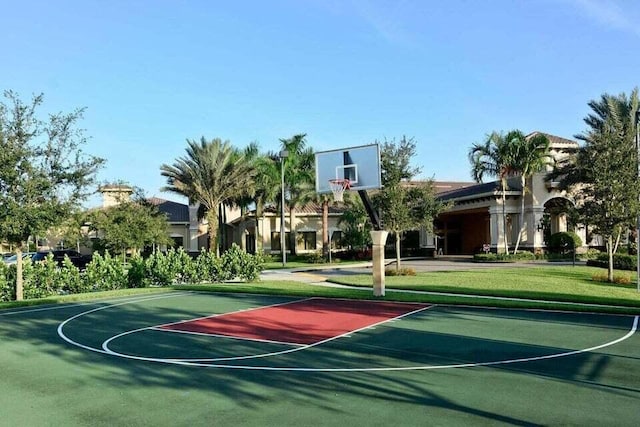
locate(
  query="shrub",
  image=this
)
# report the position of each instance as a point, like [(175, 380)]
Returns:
[(405, 271), (7, 285), (590, 254), (491, 257), (620, 261), (236, 263), (70, 279), (315, 257), (137, 274), (40, 278), (105, 273), (621, 279), (564, 241), (209, 267)]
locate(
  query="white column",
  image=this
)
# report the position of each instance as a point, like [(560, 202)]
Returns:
[(496, 228), (379, 238)]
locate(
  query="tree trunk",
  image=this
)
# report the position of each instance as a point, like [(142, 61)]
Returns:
[(292, 230), (212, 219), (325, 228), (521, 222), (258, 235), (610, 253), (19, 282), (398, 236), (504, 218)]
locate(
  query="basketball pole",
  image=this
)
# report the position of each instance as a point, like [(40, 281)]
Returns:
[(379, 239), (283, 155)]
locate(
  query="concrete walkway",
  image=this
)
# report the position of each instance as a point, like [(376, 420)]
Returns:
[(313, 274)]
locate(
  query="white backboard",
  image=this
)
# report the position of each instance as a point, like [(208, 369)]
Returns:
[(360, 165)]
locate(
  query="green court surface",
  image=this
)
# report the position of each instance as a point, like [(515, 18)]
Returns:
[(108, 363)]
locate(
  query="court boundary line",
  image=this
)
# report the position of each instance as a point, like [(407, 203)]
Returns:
[(407, 368), (71, 304), (195, 363)]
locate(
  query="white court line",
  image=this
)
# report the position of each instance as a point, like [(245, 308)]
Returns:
[(201, 362), (105, 345), (231, 312), (70, 341), (233, 337), (72, 304)]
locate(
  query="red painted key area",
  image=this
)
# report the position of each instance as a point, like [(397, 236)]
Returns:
[(301, 322)]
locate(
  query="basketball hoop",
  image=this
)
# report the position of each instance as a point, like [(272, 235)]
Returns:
[(338, 186)]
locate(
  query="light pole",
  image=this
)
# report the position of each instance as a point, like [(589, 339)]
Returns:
[(283, 155), (637, 129)]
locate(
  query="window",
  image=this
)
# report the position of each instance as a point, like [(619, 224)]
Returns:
[(307, 241), (336, 240), (275, 240), (178, 242)]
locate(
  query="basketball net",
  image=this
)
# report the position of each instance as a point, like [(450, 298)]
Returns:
[(338, 186)]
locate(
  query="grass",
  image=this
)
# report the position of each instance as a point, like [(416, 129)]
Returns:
[(555, 286), (65, 299), (557, 283)]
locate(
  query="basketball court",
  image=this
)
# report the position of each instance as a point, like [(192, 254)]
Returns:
[(195, 357)]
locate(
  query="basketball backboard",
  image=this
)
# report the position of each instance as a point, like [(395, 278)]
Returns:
[(360, 165)]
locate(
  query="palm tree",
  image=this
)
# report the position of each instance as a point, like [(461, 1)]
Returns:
[(531, 156), (267, 188), (299, 178), (211, 173), (494, 157)]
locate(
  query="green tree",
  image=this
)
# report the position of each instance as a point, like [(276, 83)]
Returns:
[(210, 174), (44, 174), (131, 225), (355, 223), (267, 188), (299, 176), (531, 156), (404, 205), (495, 157), (603, 173)]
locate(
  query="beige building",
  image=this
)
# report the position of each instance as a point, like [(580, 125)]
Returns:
[(476, 217)]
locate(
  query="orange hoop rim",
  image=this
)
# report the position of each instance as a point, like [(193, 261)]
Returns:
[(345, 183)]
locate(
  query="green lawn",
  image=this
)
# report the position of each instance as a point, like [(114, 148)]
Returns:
[(555, 283)]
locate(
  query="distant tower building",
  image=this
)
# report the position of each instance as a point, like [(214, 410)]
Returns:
[(114, 194)]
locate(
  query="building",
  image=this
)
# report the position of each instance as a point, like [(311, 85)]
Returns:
[(477, 216)]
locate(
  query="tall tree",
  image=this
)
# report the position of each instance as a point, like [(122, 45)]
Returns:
[(267, 188), (211, 173), (131, 225), (495, 157), (531, 156), (355, 223), (44, 174), (603, 173), (404, 205), (299, 178)]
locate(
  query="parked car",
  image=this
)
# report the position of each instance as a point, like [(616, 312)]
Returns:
[(75, 257), (14, 258)]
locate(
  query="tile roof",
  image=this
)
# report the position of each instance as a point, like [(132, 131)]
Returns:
[(556, 141), (176, 212), (479, 189)]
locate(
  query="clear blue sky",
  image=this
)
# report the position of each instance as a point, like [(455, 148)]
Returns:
[(346, 72)]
